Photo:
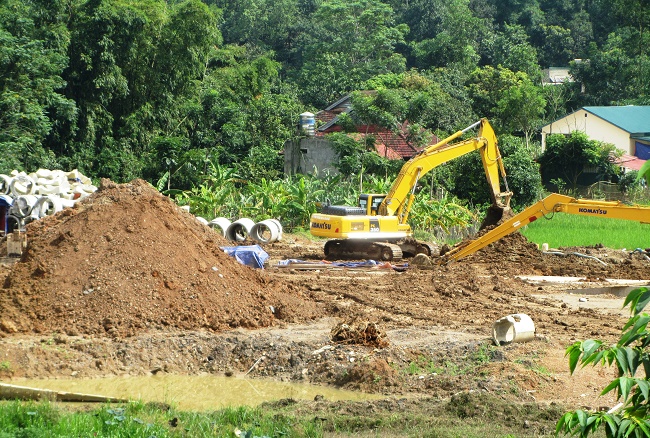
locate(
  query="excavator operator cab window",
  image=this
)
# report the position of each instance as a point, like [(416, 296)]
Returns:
[(370, 203)]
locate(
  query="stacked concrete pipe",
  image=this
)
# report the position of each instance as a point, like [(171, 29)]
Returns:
[(266, 231), (41, 193)]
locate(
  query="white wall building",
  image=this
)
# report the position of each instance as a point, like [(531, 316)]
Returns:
[(626, 127)]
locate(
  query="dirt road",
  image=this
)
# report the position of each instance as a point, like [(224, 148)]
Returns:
[(128, 284)]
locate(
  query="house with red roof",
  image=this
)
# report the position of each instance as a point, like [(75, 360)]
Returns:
[(314, 154)]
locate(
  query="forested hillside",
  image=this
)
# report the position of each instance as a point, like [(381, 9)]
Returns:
[(160, 89)]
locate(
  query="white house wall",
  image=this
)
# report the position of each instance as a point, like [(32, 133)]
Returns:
[(592, 125)]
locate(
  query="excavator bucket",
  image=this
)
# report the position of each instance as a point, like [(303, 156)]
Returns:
[(495, 214)]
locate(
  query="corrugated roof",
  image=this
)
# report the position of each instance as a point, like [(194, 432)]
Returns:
[(631, 118)]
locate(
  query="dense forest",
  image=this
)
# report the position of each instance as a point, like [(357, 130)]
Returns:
[(165, 89)]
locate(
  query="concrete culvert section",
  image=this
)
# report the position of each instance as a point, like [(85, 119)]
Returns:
[(46, 206), (22, 185), (513, 328), (267, 231), (220, 225), (23, 205), (5, 181), (239, 230)]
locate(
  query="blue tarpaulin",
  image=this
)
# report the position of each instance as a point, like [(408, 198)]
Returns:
[(249, 255), (642, 151)]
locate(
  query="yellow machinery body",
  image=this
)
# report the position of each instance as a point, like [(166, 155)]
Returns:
[(377, 227)]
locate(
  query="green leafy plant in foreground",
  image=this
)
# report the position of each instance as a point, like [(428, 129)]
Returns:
[(631, 418)]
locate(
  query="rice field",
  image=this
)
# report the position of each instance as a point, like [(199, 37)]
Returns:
[(565, 230)]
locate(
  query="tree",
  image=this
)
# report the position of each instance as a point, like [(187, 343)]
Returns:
[(442, 33), (358, 157), (523, 175), (134, 73), (244, 114), (267, 25), (32, 59), (626, 74), (635, 14), (632, 359), (521, 109), (511, 49), (487, 86), (414, 99), (568, 156), (352, 41)]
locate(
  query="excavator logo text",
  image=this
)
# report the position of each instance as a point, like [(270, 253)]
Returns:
[(592, 210), (321, 226)]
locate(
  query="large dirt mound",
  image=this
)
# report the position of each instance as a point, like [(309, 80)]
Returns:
[(127, 259)]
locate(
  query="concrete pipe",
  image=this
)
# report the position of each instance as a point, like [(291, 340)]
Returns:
[(5, 181), (220, 225), (45, 190), (44, 174), (202, 220), (513, 328), (47, 206), (279, 227), (83, 190), (22, 206), (22, 185), (239, 230), (267, 231)]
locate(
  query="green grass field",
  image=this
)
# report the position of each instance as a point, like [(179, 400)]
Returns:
[(570, 230)]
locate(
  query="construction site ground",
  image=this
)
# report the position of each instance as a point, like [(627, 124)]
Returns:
[(127, 283)]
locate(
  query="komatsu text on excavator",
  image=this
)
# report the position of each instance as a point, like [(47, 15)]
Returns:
[(377, 228)]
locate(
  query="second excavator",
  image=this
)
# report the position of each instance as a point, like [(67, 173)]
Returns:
[(377, 227), (546, 208)]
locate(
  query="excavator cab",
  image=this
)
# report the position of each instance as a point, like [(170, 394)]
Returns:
[(370, 203)]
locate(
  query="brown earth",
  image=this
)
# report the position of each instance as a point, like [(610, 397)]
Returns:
[(127, 283)]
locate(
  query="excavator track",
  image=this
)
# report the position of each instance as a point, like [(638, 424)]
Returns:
[(427, 249), (411, 247), (361, 249)]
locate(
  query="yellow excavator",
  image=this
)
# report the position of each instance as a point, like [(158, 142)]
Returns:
[(377, 228), (554, 203)]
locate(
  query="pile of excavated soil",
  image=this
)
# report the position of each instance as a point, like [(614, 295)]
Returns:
[(126, 260), (516, 255)]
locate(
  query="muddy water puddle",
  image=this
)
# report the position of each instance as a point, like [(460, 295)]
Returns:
[(196, 393)]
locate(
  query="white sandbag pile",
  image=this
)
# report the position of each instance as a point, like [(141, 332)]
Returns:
[(42, 193)]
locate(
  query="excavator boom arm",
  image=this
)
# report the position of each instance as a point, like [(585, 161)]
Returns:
[(554, 203), (400, 196)]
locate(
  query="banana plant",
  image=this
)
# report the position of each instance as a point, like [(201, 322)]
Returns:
[(630, 356)]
